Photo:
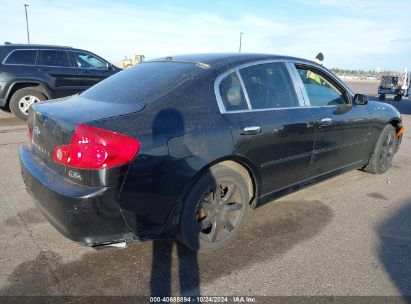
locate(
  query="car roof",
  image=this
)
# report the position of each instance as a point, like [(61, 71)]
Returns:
[(7, 47), (31, 46), (221, 62), (217, 60)]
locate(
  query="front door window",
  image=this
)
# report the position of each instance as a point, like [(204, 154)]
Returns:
[(88, 61), (320, 90)]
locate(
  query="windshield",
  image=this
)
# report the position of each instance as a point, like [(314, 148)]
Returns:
[(143, 82)]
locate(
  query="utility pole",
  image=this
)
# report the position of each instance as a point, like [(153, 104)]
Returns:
[(27, 24), (241, 34)]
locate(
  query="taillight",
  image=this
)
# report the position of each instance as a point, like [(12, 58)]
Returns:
[(29, 132), (94, 148)]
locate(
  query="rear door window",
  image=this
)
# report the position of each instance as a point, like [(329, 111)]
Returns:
[(269, 86), (27, 57), (57, 58), (232, 93), (261, 86)]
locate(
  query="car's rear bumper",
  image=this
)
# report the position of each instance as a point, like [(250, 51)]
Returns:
[(87, 215)]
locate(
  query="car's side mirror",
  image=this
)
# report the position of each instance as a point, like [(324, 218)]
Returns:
[(360, 99), (108, 66)]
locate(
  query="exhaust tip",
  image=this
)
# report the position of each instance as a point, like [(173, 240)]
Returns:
[(115, 245)]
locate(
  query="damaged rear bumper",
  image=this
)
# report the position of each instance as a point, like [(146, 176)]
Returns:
[(88, 215)]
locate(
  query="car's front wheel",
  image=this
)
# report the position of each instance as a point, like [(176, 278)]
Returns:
[(384, 151), (214, 209), (22, 99)]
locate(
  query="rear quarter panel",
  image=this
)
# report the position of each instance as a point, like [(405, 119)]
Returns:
[(180, 134)]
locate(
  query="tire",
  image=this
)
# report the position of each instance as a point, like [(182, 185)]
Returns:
[(22, 99), (397, 97), (381, 97), (214, 209), (384, 151)]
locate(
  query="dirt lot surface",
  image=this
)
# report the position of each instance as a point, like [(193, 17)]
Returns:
[(368, 87)]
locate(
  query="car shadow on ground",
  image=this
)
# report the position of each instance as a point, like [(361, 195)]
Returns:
[(403, 106), (165, 267), (395, 249)]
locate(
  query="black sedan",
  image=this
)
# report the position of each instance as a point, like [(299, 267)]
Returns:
[(182, 147)]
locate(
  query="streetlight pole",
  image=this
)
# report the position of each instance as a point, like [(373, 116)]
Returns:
[(241, 34), (27, 24)]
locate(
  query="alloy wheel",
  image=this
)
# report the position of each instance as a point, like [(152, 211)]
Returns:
[(219, 212), (387, 151), (25, 103)]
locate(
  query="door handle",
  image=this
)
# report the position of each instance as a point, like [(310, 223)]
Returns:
[(44, 70), (325, 122), (253, 130)]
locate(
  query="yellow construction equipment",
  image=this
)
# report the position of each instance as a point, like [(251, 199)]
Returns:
[(128, 62)]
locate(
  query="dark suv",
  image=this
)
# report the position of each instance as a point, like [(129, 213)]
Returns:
[(31, 73)]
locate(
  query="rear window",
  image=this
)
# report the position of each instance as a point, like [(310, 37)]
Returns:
[(143, 82), (22, 57)]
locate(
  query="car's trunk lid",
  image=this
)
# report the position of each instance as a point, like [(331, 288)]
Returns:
[(77, 109), (53, 124)]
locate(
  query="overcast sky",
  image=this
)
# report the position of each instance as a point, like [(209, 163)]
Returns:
[(351, 34)]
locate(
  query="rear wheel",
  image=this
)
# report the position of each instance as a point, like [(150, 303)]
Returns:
[(397, 97), (214, 209), (22, 99), (384, 151), (381, 97)]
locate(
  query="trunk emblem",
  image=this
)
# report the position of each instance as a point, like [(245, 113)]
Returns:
[(75, 175)]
